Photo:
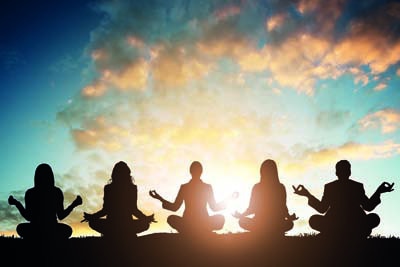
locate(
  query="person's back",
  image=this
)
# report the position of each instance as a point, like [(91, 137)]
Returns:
[(120, 201), (196, 195), (269, 201), (268, 204), (119, 205), (41, 204)]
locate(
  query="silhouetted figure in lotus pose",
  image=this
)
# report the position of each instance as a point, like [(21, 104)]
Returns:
[(44, 206), (344, 202), (267, 204), (196, 195), (119, 204)]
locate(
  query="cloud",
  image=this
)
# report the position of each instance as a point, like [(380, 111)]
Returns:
[(387, 119), (275, 22), (331, 119), (313, 158), (381, 86), (99, 134)]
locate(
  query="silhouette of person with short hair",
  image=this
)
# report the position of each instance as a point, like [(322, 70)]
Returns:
[(119, 204), (345, 204), (195, 195), (44, 206), (268, 204)]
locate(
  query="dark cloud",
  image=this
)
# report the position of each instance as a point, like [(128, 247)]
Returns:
[(10, 215)]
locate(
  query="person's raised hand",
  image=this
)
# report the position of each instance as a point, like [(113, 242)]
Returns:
[(87, 217), (151, 218), (292, 217), (237, 215), (301, 190), (155, 195), (385, 187), (78, 201), (12, 200)]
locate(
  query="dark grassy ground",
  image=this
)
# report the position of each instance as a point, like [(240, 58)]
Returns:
[(164, 249)]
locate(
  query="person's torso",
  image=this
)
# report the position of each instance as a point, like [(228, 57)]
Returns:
[(120, 201), (43, 204), (345, 198), (196, 195), (270, 201)]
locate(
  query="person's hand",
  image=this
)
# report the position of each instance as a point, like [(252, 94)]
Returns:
[(385, 187), (12, 200), (151, 218), (301, 190), (155, 195), (237, 215), (87, 217), (292, 217), (77, 201)]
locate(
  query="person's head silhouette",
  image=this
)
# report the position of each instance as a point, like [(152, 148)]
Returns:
[(269, 172), (343, 169), (121, 173), (44, 177), (196, 170)]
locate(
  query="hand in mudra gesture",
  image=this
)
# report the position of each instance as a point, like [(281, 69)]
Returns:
[(301, 190), (12, 200), (385, 187), (155, 195)]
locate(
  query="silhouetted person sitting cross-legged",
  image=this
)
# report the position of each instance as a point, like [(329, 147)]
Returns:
[(196, 195), (267, 204), (119, 204), (344, 202), (44, 204)]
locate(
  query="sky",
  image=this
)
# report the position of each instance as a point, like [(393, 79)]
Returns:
[(159, 84)]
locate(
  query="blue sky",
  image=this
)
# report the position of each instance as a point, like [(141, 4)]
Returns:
[(229, 83)]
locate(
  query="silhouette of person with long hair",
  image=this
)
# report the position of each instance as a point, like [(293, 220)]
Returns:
[(119, 204), (345, 204), (195, 195), (44, 206), (267, 204)]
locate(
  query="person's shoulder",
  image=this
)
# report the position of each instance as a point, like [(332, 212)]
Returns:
[(108, 187), (331, 185), (355, 183), (30, 191), (281, 186)]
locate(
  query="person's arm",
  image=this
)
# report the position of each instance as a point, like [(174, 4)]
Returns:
[(61, 212), (176, 204), (320, 206), (369, 204), (12, 201), (252, 204), (165, 203), (212, 203), (135, 210)]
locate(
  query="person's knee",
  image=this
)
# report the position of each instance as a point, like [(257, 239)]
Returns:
[(247, 223), (174, 221), (373, 220), (288, 225), (22, 230), (315, 222), (219, 222), (67, 231)]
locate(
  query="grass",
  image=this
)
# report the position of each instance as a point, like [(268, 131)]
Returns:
[(165, 249)]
